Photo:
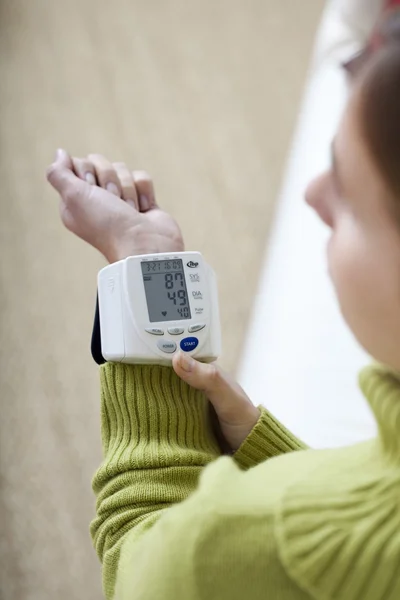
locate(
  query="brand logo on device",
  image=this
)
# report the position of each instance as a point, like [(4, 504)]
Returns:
[(192, 264)]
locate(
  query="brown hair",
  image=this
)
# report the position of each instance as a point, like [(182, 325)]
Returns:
[(379, 81)]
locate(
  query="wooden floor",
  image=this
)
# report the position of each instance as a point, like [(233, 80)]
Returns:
[(203, 95)]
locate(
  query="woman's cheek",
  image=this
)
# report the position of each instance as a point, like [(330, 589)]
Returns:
[(348, 268), (364, 264)]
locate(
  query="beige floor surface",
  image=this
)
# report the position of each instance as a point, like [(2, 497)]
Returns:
[(202, 94)]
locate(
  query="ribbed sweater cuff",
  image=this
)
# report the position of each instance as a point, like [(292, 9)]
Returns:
[(150, 418), (268, 438)]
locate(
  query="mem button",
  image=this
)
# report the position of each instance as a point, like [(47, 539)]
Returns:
[(168, 347), (155, 331), (196, 327)]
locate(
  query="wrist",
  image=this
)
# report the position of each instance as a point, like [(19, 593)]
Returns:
[(124, 248), (122, 251)]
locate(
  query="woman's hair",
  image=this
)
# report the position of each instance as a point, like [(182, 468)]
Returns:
[(379, 81)]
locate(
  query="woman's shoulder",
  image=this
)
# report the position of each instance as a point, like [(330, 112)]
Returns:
[(338, 527)]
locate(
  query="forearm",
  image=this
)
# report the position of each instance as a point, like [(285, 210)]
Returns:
[(156, 440)]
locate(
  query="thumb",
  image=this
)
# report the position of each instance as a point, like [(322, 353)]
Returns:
[(60, 173), (228, 398)]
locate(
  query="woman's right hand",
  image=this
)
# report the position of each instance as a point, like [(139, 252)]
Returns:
[(236, 414)]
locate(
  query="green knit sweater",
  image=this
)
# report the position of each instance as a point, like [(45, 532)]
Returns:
[(175, 521)]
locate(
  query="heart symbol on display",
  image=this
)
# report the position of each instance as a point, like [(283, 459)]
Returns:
[(164, 313)]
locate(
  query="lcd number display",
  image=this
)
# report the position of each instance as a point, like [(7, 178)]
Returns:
[(165, 289)]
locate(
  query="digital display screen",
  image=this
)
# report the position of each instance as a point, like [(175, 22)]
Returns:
[(166, 292)]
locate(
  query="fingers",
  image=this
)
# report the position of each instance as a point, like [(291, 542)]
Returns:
[(84, 169), (202, 376), (106, 176), (222, 391), (61, 176), (59, 173), (135, 187), (129, 192), (145, 190)]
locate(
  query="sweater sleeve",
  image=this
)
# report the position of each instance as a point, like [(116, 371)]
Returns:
[(219, 544), (157, 439), (267, 439)]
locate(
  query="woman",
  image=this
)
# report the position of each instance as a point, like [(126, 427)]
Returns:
[(275, 519)]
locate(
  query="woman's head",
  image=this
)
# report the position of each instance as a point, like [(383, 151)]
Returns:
[(359, 199)]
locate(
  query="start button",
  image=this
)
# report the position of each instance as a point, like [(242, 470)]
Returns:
[(188, 344)]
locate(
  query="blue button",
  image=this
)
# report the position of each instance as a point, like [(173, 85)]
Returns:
[(190, 343)]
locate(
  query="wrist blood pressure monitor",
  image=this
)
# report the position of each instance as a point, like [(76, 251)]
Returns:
[(153, 305)]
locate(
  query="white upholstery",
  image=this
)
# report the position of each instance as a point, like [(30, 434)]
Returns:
[(299, 359)]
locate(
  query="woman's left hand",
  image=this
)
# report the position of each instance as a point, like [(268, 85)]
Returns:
[(112, 208)]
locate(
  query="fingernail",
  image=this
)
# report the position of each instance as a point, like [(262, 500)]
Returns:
[(111, 187), (90, 178), (144, 202), (59, 153), (186, 362)]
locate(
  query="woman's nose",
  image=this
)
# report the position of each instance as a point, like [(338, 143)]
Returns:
[(316, 196), (315, 190)]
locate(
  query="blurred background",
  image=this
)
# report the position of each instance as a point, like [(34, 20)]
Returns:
[(203, 95)]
